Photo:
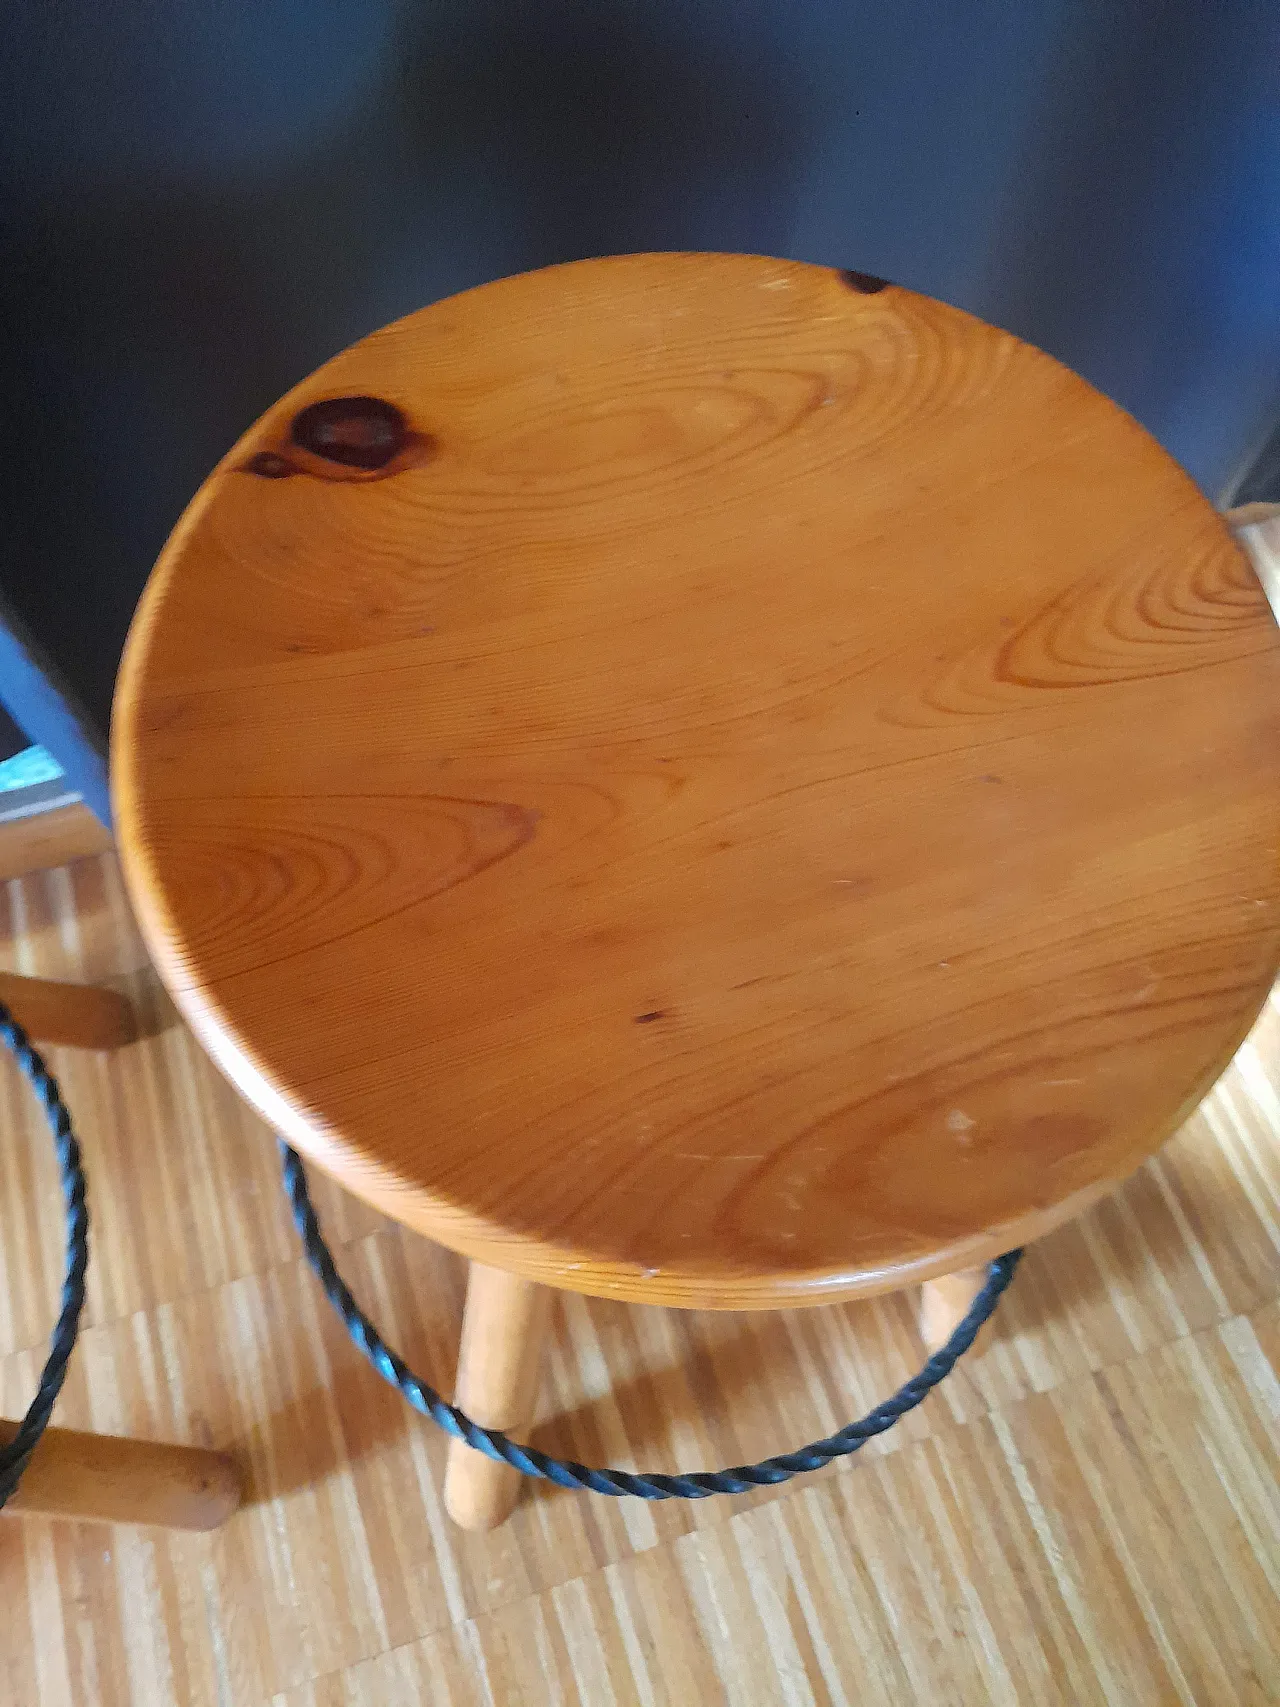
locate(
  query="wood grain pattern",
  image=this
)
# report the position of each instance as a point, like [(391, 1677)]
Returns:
[(764, 792), (1088, 1515)]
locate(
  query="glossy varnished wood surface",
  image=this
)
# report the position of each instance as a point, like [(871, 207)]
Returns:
[(772, 789), (1087, 1516)]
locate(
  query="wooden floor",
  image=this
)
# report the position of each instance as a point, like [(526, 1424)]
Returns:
[(1088, 1514)]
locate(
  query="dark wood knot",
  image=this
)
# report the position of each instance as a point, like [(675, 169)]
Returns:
[(866, 284), (355, 432), (270, 466)]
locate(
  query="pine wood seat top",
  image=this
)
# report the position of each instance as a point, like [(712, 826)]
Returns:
[(702, 779)]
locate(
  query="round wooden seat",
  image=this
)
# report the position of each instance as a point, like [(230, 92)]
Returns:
[(704, 779)]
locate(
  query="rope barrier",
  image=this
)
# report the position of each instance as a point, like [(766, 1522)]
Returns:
[(14, 1457), (565, 1473)]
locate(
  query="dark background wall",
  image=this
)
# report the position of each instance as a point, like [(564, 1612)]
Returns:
[(202, 201)]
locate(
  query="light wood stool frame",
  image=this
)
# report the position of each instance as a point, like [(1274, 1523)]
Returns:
[(92, 1477), (504, 1335)]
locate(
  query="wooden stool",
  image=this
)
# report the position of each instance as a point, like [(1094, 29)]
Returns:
[(704, 780), (94, 1477)]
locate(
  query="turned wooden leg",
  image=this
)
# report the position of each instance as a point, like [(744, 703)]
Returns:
[(81, 1015), (945, 1302), (100, 1479), (503, 1333)]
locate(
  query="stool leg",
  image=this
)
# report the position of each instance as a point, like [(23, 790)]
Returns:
[(81, 1015), (504, 1330), (101, 1479), (944, 1303)]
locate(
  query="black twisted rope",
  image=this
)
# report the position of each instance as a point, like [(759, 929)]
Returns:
[(14, 1456), (564, 1472)]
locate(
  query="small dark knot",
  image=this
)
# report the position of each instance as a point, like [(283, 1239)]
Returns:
[(867, 284), (357, 432), (270, 466)]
